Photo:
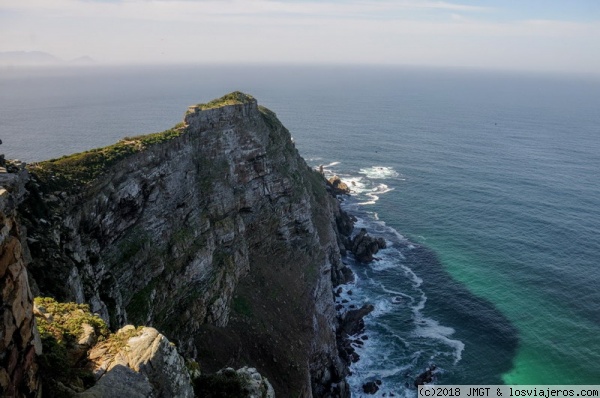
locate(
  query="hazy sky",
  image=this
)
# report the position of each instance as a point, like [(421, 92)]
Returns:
[(548, 35)]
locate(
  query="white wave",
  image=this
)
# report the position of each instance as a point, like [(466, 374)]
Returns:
[(394, 292), (370, 202), (353, 298), (380, 227), (377, 362), (398, 235), (386, 259), (356, 184), (382, 188), (382, 265), (390, 257), (374, 194), (420, 305), (387, 372), (379, 172), (385, 350), (417, 282), (430, 328), (381, 307), (360, 223)]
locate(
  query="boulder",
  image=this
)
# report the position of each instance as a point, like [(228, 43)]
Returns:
[(147, 352), (352, 323), (371, 387), (426, 376), (120, 381), (364, 246), (337, 186), (256, 385)]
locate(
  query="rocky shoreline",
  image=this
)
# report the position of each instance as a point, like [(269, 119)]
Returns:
[(351, 331), (363, 247)]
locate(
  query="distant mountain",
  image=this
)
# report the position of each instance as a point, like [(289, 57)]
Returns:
[(85, 60), (28, 58), (38, 58)]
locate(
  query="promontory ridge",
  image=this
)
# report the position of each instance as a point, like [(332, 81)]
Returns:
[(204, 258)]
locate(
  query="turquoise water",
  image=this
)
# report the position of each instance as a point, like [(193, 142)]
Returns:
[(485, 185)]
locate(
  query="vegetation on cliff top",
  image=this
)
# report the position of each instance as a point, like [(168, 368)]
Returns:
[(72, 171), (234, 98)]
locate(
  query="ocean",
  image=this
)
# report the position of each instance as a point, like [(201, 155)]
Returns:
[(485, 185)]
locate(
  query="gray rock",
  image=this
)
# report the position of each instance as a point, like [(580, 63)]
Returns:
[(337, 186), (364, 247), (256, 385), (351, 322), (120, 381), (371, 387), (148, 353)]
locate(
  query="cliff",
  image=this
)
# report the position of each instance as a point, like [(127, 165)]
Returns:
[(19, 341), (215, 232)]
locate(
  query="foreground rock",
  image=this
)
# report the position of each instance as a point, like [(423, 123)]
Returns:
[(157, 366), (80, 354)]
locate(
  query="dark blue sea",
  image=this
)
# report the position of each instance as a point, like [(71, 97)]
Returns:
[(485, 185)]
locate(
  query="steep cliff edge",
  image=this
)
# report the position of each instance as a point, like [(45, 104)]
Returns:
[(216, 233)]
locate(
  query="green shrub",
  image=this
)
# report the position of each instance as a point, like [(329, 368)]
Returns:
[(59, 330), (67, 320), (234, 98), (73, 171)]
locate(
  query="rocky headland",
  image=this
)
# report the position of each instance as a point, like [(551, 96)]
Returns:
[(214, 238)]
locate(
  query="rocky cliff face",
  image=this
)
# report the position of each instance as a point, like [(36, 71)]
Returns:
[(216, 233), (19, 341)]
